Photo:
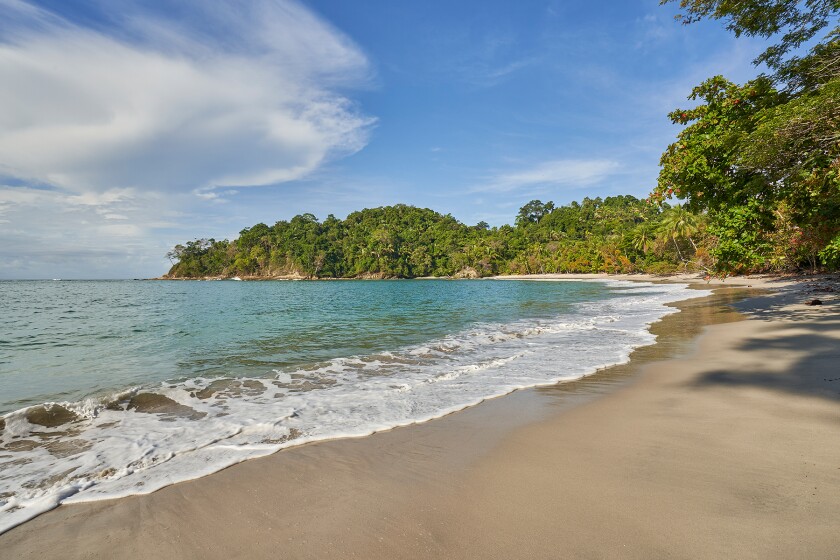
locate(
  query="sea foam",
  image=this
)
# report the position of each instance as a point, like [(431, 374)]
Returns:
[(144, 438)]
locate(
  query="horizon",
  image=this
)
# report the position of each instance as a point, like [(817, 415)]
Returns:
[(133, 128)]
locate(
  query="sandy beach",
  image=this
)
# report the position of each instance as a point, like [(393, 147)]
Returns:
[(720, 441)]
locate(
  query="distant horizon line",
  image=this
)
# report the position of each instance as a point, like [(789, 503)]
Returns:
[(72, 279)]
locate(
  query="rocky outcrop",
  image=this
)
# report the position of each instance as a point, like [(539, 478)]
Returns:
[(468, 272)]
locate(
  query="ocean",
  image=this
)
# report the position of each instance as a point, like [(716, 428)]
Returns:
[(113, 388)]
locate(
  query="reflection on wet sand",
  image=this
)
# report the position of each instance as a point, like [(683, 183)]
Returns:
[(674, 335)]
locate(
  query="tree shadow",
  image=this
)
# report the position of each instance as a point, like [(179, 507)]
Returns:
[(787, 303), (815, 338)]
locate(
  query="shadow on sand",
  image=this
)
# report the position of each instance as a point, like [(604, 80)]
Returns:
[(811, 334)]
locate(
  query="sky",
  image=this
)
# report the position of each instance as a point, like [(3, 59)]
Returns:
[(129, 126)]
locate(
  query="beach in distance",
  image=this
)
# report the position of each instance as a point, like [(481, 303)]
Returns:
[(717, 441)]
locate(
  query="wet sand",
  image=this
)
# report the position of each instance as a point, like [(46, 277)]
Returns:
[(719, 447)]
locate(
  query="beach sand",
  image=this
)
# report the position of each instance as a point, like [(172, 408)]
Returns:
[(722, 446)]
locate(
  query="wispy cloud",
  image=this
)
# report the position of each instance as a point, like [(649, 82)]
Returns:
[(481, 60), (653, 29), (554, 173), (238, 94), (488, 73)]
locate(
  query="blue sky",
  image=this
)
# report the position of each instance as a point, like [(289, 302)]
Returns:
[(127, 127)]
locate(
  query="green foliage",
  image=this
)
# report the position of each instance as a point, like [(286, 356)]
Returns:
[(830, 254), (703, 164), (618, 234), (796, 147), (763, 158), (533, 212), (741, 237)]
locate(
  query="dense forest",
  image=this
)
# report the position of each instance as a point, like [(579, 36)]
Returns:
[(618, 234), (756, 168)]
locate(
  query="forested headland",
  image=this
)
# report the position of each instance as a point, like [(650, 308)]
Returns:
[(753, 179), (618, 234)]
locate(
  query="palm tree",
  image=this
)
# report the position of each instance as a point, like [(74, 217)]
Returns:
[(643, 236), (679, 223)]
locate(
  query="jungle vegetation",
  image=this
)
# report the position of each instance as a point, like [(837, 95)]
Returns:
[(761, 160), (617, 234)]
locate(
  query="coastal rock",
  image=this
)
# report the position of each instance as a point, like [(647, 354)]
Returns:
[(814, 302), (22, 445), (68, 448), (2, 425), (372, 276), (50, 416), (290, 275), (230, 387), (468, 272), (159, 404)]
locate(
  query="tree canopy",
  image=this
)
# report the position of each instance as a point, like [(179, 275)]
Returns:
[(763, 158), (616, 234)]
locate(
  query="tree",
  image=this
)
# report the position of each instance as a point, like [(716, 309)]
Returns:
[(533, 212), (798, 136), (703, 164), (176, 254), (765, 154), (643, 237), (678, 223)]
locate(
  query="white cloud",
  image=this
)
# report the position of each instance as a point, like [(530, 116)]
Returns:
[(558, 173), (119, 137), (244, 94), (48, 233)]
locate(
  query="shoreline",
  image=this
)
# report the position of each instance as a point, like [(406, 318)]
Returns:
[(391, 466), (683, 277), (469, 397)]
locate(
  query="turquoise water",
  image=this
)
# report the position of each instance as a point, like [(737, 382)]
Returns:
[(109, 389), (66, 340)]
